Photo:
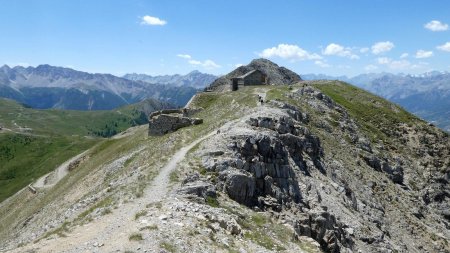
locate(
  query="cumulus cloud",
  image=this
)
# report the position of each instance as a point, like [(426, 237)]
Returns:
[(184, 56), (404, 55), (238, 65), (149, 20), (445, 47), (423, 54), (338, 50), (393, 64), (286, 51), (207, 64), (321, 64), (381, 47), (436, 26), (364, 50), (384, 60)]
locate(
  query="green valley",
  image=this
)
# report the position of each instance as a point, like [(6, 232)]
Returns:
[(34, 142)]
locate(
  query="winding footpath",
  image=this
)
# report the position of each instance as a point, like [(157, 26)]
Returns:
[(112, 231)]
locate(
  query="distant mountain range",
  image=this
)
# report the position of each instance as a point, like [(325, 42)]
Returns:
[(427, 95), (47, 86), (194, 79)]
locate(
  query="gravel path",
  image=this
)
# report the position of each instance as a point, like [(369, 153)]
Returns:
[(53, 177), (110, 233)]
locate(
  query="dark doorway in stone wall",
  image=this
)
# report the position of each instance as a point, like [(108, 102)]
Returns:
[(234, 86)]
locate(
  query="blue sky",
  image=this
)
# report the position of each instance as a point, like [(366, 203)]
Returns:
[(166, 37)]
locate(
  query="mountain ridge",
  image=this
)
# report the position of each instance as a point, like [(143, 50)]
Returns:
[(194, 78), (47, 86)]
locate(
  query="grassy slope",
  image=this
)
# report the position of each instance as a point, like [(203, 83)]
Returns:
[(375, 115), (55, 136)]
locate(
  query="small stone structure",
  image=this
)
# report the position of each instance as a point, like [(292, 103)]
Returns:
[(254, 77), (170, 120)]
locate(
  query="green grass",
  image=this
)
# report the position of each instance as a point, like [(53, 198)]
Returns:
[(52, 137), (140, 214), (168, 246), (60, 231), (211, 201), (174, 177), (104, 203), (25, 158), (135, 237), (261, 238), (149, 227), (375, 115), (67, 122)]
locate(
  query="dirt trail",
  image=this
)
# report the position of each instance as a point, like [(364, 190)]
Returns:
[(112, 231), (53, 177)]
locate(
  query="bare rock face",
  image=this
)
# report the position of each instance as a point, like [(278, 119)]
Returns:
[(276, 75), (261, 167), (325, 229)]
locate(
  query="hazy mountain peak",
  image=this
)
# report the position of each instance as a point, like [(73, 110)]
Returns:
[(194, 78)]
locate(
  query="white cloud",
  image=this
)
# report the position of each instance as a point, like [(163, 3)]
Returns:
[(238, 65), (336, 49), (149, 20), (370, 67), (384, 60), (436, 26), (404, 55), (286, 51), (423, 54), (321, 64), (184, 56), (381, 47), (401, 64), (445, 47), (364, 50), (207, 64), (194, 62), (396, 65)]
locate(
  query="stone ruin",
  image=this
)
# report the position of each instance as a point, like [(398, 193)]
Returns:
[(170, 120)]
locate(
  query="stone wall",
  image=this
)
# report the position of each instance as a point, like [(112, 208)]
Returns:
[(255, 78), (167, 121)]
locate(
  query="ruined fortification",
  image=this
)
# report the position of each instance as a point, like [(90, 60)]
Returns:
[(170, 120)]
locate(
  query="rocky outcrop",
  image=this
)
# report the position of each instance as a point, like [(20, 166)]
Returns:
[(276, 75), (261, 168), (325, 229)]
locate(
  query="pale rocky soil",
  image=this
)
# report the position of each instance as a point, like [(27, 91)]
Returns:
[(104, 231)]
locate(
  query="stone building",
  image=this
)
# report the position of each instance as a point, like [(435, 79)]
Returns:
[(254, 77)]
